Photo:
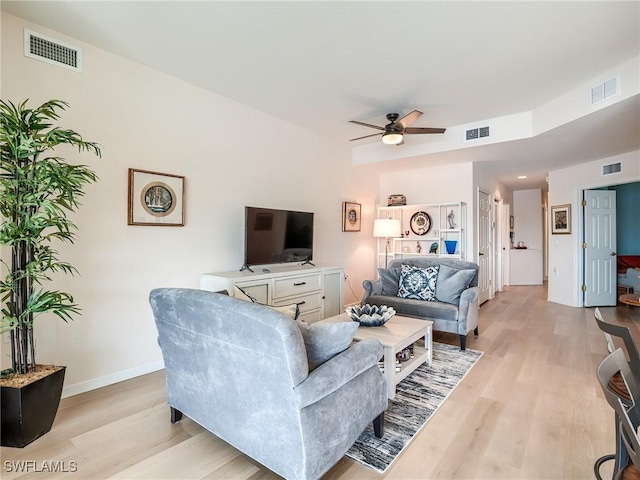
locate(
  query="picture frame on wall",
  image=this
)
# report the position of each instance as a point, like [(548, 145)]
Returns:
[(560, 219), (155, 199), (351, 220)]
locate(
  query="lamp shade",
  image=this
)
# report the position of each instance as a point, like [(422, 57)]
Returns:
[(386, 228), (392, 138)]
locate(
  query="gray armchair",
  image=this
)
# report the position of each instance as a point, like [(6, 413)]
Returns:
[(240, 370)]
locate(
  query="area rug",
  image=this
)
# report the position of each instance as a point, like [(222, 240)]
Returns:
[(417, 398)]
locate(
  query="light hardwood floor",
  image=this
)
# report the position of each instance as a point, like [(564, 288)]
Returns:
[(530, 408)]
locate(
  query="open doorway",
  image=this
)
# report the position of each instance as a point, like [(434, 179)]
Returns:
[(492, 244), (610, 263)]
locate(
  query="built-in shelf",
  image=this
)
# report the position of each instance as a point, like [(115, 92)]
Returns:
[(434, 241)]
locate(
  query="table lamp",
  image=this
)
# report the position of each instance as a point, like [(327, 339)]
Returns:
[(386, 228)]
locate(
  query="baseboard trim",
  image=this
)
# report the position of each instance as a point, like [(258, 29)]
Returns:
[(560, 301), (100, 382)]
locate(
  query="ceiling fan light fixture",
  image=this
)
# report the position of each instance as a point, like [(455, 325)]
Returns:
[(392, 138)]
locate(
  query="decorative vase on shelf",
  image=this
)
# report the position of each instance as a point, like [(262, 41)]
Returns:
[(450, 245)]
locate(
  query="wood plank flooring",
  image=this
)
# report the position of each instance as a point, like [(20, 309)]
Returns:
[(531, 408)]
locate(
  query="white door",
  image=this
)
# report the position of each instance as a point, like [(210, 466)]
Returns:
[(498, 247), (496, 284), (599, 248), (506, 243), (484, 246)]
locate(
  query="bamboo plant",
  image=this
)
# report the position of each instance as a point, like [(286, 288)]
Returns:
[(37, 191)]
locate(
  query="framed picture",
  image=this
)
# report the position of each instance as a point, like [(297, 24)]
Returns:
[(155, 199), (351, 216), (560, 219)]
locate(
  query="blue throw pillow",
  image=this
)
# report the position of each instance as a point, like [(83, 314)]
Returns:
[(418, 283), (452, 282), (323, 341), (390, 278)]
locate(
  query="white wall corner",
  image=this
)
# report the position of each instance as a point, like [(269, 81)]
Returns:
[(577, 103)]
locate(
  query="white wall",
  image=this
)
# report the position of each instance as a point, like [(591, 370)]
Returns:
[(526, 266), (575, 104), (445, 183), (527, 214), (442, 184), (147, 120), (490, 185), (565, 186)]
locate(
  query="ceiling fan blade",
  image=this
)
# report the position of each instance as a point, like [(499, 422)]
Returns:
[(366, 136), (424, 130), (409, 118), (366, 124)]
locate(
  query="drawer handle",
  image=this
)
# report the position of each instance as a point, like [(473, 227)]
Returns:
[(298, 284), (301, 303)]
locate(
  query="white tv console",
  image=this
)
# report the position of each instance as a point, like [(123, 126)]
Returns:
[(318, 291)]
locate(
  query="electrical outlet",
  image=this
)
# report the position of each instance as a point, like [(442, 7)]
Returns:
[(346, 276)]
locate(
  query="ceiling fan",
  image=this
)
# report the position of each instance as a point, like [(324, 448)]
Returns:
[(393, 133)]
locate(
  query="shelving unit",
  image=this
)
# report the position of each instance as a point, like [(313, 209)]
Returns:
[(448, 224)]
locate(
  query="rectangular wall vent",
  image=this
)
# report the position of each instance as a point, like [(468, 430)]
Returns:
[(476, 133), (54, 52), (605, 90), (611, 168)]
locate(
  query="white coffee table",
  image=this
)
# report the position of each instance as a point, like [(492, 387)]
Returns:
[(398, 333)]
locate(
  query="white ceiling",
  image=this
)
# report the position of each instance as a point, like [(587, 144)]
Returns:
[(319, 64)]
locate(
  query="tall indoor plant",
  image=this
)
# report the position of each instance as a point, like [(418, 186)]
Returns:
[(37, 191)]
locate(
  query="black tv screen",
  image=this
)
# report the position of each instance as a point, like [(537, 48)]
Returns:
[(277, 236)]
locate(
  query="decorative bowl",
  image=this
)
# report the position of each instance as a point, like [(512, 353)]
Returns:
[(370, 315)]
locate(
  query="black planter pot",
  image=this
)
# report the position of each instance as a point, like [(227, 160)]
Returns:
[(29, 411)]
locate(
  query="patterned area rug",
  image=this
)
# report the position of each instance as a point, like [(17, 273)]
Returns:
[(417, 398)]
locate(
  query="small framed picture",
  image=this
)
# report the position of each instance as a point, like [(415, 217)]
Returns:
[(351, 216), (155, 199), (560, 219)]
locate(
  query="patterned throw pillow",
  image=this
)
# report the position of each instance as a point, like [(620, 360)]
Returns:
[(418, 283)]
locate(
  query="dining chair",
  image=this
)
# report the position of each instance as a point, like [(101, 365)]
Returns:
[(617, 385), (627, 412)]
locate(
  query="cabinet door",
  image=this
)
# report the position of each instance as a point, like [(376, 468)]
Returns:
[(310, 316), (333, 296), (259, 291)]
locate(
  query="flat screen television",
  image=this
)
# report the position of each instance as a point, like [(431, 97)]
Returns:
[(277, 236)]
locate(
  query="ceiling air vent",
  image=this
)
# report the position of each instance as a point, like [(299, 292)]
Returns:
[(605, 90), (611, 168), (52, 51), (476, 133)]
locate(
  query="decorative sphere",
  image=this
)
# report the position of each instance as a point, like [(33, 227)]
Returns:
[(370, 315)]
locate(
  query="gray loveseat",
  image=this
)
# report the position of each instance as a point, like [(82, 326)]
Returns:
[(241, 371), (455, 309)]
